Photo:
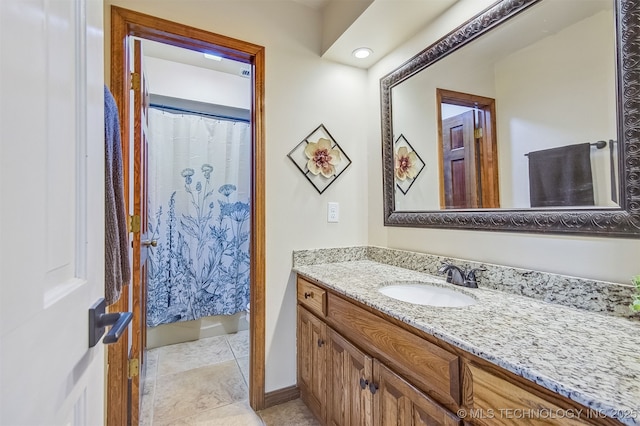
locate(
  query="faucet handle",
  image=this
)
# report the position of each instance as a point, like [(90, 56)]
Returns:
[(470, 277), (444, 266)]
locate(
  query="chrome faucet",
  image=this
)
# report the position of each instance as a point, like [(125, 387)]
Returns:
[(457, 276)]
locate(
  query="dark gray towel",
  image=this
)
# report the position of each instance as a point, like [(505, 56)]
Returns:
[(116, 251), (561, 176)]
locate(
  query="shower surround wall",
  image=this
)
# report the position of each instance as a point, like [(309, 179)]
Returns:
[(199, 189)]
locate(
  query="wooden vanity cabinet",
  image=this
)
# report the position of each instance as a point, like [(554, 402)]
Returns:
[(362, 391), (345, 386), (312, 347), (398, 403), (432, 369), (491, 399), (312, 361), (350, 371), (312, 297), (358, 367)]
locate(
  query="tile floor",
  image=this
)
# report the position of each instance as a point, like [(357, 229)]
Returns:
[(205, 383)]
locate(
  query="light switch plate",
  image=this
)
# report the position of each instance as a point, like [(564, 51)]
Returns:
[(333, 212)]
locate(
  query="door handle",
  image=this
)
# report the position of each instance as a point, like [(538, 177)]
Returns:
[(99, 320), (147, 243)]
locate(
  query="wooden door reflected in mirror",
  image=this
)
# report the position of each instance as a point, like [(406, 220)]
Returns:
[(467, 150)]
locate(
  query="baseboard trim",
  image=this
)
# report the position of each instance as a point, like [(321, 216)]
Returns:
[(281, 396)]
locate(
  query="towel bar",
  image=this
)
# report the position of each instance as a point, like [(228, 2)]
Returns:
[(599, 145)]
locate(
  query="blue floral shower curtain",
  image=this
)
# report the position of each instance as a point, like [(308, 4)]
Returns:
[(199, 192)]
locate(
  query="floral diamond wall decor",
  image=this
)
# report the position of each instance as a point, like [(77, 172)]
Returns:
[(407, 163), (320, 159)]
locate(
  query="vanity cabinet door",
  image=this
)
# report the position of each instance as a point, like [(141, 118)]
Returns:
[(494, 401), (350, 372), (397, 403), (312, 355)]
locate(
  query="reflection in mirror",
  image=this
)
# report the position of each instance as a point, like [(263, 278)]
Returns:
[(467, 151), (538, 90), (565, 76)]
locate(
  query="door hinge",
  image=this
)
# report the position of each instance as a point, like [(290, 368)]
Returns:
[(135, 81), (133, 367), (134, 223), (477, 133)]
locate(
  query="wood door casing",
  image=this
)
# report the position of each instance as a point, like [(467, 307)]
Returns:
[(117, 411), (127, 23), (140, 251)]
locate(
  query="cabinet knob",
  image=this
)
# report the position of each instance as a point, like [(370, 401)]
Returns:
[(363, 383), (373, 388), (320, 343), (308, 295)]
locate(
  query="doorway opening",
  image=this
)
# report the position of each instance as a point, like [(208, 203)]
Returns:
[(125, 26), (199, 187), (467, 149)]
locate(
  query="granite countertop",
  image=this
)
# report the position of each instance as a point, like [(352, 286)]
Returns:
[(590, 358)]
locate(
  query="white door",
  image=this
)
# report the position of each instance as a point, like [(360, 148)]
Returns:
[(51, 211)]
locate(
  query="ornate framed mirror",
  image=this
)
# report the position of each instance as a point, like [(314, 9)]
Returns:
[(565, 77)]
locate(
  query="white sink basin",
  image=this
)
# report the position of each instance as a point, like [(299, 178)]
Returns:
[(427, 294)]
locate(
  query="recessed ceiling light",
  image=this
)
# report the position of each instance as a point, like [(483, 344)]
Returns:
[(214, 57), (362, 52)]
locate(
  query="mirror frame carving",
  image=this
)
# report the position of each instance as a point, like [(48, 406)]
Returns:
[(621, 222)]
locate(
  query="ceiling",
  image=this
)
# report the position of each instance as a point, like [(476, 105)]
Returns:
[(381, 25), (191, 57)]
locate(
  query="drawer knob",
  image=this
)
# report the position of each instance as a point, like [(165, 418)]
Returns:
[(320, 343), (373, 388), (308, 295), (363, 383)]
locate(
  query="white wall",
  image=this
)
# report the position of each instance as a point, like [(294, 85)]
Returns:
[(596, 258), (415, 116), (551, 94), (184, 81), (302, 91)]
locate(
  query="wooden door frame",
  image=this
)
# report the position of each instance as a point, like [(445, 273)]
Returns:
[(126, 23), (488, 149)]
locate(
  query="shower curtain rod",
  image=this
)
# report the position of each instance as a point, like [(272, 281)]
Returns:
[(192, 112), (598, 145)]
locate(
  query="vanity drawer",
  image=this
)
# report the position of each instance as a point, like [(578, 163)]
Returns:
[(496, 401), (430, 368), (312, 297)]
